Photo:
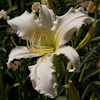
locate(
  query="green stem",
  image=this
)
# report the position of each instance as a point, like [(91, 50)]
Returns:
[(22, 85), (67, 95), (72, 41), (1, 80), (66, 82), (24, 5), (19, 6), (96, 12)]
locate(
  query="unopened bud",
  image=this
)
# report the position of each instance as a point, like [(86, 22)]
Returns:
[(92, 96), (89, 36)]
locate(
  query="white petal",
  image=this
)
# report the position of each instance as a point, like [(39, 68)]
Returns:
[(20, 52), (4, 14), (46, 3), (67, 24), (72, 55), (25, 24), (46, 15), (42, 77)]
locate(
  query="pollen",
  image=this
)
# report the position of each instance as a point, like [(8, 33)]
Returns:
[(32, 32), (36, 7), (41, 35), (70, 66)]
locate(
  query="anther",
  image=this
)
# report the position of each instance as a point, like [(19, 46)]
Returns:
[(41, 35), (33, 32), (70, 65), (14, 65)]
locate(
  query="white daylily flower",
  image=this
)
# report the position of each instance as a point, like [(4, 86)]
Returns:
[(46, 33), (4, 15), (42, 76)]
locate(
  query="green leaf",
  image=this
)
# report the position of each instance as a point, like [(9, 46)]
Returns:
[(78, 35), (89, 54), (23, 5), (20, 93), (1, 81), (19, 6), (0, 97), (14, 85), (57, 64), (96, 39), (23, 86), (86, 57), (83, 69), (61, 98), (14, 7), (8, 72), (72, 91), (6, 90), (98, 98), (93, 72), (2, 4), (9, 3), (88, 88), (60, 92)]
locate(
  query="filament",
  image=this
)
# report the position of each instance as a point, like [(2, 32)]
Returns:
[(37, 47)]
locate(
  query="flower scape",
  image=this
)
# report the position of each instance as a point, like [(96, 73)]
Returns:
[(46, 35)]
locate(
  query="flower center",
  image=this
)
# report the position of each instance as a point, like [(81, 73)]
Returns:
[(34, 44)]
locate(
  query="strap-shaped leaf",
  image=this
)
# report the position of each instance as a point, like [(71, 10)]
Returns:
[(89, 54), (93, 72), (88, 88), (61, 98), (83, 70)]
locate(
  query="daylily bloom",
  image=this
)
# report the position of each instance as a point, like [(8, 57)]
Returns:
[(46, 35), (4, 15)]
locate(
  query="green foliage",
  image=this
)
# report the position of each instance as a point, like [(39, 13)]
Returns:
[(15, 85), (61, 98)]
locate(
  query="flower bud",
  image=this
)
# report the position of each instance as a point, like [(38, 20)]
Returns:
[(89, 36), (92, 96)]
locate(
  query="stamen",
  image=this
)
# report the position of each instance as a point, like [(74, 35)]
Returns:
[(41, 35), (29, 40), (14, 42), (28, 43), (32, 39), (37, 47), (33, 32)]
